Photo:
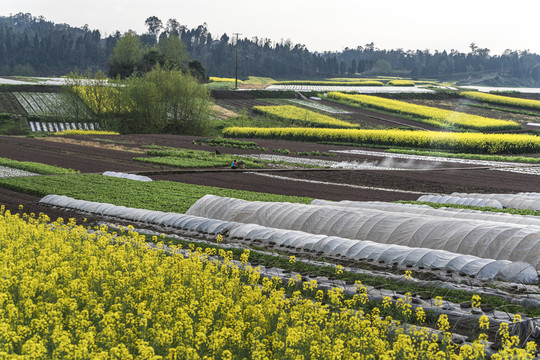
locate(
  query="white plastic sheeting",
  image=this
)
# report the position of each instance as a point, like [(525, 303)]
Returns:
[(515, 201), (127, 176), (443, 212), (331, 246), (53, 127), (471, 201), (485, 239)]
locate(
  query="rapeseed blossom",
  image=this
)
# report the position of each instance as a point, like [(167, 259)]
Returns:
[(71, 292)]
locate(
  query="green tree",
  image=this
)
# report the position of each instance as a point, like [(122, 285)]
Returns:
[(165, 100), (127, 53), (173, 50), (73, 103)]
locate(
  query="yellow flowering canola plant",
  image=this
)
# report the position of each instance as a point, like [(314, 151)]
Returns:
[(86, 132), (307, 117), (219, 79), (502, 100), (461, 142), (400, 83), (67, 292), (102, 100), (430, 115)]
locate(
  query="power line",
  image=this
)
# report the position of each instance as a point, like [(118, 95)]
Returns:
[(236, 78)]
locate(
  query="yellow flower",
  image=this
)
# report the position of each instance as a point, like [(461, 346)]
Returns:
[(443, 323), (408, 274), (339, 269), (292, 259), (484, 322), (476, 301), (219, 238)]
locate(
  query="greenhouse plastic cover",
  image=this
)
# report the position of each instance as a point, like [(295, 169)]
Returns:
[(127, 176), (528, 201), (485, 239), (470, 201), (331, 246), (440, 212)]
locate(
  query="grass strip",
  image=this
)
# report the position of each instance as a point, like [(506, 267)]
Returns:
[(196, 159), (36, 167), (166, 196)]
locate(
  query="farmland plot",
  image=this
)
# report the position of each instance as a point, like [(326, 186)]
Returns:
[(52, 105)]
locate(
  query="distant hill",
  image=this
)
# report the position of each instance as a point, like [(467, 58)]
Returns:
[(34, 46)]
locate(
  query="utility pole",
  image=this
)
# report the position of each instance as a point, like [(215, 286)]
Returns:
[(236, 78)]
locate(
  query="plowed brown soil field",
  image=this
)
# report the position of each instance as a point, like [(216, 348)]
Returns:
[(89, 154)]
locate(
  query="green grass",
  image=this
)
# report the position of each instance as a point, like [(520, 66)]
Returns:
[(230, 143), (518, 159), (259, 80), (155, 195), (35, 167), (196, 159)]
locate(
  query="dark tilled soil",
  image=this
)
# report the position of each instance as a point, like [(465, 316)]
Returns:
[(252, 182), (10, 105), (94, 158), (82, 158), (433, 181)]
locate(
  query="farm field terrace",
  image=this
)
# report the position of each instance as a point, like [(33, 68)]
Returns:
[(433, 116), (176, 189)]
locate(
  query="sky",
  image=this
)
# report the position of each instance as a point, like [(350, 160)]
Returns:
[(321, 25)]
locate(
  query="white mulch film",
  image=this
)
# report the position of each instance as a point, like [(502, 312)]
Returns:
[(350, 165), (526, 201), (318, 106), (485, 239), (358, 89), (7, 172), (308, 237), (127, 176), (442, 212), (445, 199), (520, 168)]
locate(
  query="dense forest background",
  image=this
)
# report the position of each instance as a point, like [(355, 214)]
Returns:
[(34, 46)]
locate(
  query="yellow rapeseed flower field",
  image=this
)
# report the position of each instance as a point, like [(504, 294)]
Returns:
[(307, 117), (462, 142), (400, 83), (502, 100), (102, 100), (431, 115), (85, 132), (220, 79), (71, 293)]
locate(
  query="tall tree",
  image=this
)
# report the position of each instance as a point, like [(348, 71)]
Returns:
[(127, 53), (154, 24)]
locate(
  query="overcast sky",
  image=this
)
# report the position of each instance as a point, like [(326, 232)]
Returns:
[(321, 25)]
